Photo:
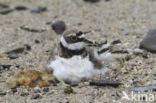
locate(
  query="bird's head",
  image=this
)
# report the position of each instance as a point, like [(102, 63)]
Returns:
[(74, 40)]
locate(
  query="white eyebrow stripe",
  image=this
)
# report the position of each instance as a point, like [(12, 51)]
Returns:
[(69, 35), (73, 46)]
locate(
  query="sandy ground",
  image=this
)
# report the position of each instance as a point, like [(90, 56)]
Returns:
[(127, 20)]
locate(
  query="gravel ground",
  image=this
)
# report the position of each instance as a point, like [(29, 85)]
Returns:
[(126, 20)]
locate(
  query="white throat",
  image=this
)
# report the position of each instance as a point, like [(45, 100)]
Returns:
[(73, 46)]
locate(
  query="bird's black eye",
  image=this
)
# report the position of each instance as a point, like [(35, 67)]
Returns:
[(79, 33), (73, 38)]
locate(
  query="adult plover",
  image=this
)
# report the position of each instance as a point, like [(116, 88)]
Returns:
[(78, 58)]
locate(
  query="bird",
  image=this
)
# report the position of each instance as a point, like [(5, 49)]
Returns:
[(78, 58)]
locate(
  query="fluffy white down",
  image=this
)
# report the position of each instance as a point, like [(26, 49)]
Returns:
[(74, 70)]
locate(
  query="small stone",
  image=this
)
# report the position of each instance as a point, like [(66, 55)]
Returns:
[(105, 83), (3, 5), (37, 90), (14, 90), (138, 51), (26, 28), (5, 66), (24, 94), (28, 47), (46, 89), (116, 42), (5, 11), (37, 41), (91, 1), (68, 90), (35, 96), (20, 8), (59, 27), (128, 57), (149, 42), (2, 93), (39, 10), (12, 55)]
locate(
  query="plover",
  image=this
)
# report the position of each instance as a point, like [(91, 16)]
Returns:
[(78, 58)]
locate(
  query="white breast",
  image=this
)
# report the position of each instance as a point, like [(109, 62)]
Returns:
[(74, 70)]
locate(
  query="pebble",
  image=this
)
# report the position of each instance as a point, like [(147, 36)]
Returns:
[(46, 89), (137, 51), (17, 50), (24, 94), (4, 11), (5, 66), (14, 90), (3, 5), (149, 42), (128, 57), (37, 41), (35, 96), (20, 8), (91, 1), (37, 90), (105, 83), (116, 42), (2, 93), (59, 27), (26, 28), (154, 74), (68, 90), (39, 10), (12, 55), (28, 47)]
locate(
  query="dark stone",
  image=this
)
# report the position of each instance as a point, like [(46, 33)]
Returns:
[(116, 42), (4, 11), (35, 96), (14, 90), (46, 89), (37, 41), (17, 66), (39, 10), (68, 90), (20, 8), (12, 55), (4, 66), (91, 1), (48, 23), (28, 47), (105, 83), (24, 94), (17, 50), (2, 93), (149, 42), (128, 57), (59, 27)]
